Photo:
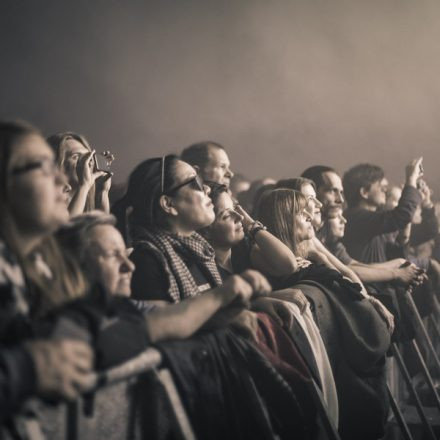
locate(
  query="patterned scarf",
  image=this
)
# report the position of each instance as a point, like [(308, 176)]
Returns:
[(169, 248)]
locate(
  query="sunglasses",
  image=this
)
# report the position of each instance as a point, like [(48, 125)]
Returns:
[(195, 183)]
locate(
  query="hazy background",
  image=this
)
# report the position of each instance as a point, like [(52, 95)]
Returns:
[(282, 84)]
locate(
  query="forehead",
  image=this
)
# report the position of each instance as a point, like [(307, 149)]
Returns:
[(224, 202), (331, 180), (334, 213), (106, 237), (184, 170), (217, 156), (30, 147), (308, 190), (73, 146)]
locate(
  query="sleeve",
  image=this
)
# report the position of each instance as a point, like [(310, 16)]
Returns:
[(374, 223), (149, 282), (17, 379), (340, 252), (427, 230)]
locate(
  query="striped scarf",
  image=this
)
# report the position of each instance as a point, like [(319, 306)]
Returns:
[(169, 248)]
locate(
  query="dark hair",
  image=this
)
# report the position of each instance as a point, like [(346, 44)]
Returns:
[(216, 190), (295, 183), (315, 174), (143, 193), (357, 177), (198, 153)]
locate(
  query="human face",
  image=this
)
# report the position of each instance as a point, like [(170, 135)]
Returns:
[(192, 208), (107, 260), (74, 151), (331, 192), (34, 191), (227, 229), (217, 168), (393, 197), (376, 194), (303, 226), (336, 222), (313, 205)]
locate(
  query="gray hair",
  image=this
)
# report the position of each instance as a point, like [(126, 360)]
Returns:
[(74, 235)]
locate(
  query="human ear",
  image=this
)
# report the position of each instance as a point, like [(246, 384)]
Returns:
[(166, 203), (364, 192)]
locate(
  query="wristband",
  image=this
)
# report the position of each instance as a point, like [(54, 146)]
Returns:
[(256, 227)]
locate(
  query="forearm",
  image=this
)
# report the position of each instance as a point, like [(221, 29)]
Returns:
[(272, 256), (78, 202), (103, 202), (373, 273), (181, 320)]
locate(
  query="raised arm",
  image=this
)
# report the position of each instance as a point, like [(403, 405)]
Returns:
[(268, 254)]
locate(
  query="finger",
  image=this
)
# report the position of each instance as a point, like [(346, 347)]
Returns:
[(81, 381), (285, 315), (82, 364), (78, 349)]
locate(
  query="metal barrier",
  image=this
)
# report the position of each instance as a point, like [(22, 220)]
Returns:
[(114, 407)]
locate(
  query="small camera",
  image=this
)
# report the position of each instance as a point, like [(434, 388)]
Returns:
[(103, 161)]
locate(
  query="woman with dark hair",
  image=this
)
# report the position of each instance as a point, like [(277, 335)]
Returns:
[(32, 206), (165, 204), (355, 335), (88, 187)]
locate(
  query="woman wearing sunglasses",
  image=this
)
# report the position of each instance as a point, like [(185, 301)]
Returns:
[(165, 204)]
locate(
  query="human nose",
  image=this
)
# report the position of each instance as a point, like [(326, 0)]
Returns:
[(207, 189), (317, 203), (238, 216), (339, 197), (127, 265), (229, 173), (343, 220)]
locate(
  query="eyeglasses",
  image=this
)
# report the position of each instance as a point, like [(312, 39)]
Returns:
[(47, 166), (196, 183)]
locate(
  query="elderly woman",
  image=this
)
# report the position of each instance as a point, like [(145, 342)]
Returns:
[(98, 246)]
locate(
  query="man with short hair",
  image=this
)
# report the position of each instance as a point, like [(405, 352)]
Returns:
[(329, 188), (330, 193), (210, 160), (366, 224)]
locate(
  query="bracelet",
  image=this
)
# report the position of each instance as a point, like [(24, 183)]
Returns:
[(256, 227)]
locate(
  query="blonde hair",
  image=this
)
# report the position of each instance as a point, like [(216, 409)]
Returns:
[(277, 210), (58, 142)]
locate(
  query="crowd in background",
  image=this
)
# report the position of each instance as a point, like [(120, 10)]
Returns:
[(271, 301)]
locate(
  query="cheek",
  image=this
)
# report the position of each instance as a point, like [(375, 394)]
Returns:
[(109, 276)]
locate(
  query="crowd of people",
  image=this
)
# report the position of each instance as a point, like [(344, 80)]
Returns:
[(273, 303)]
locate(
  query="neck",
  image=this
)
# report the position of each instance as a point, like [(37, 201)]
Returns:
[(223, 257), (179, 230), (368, 206)]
